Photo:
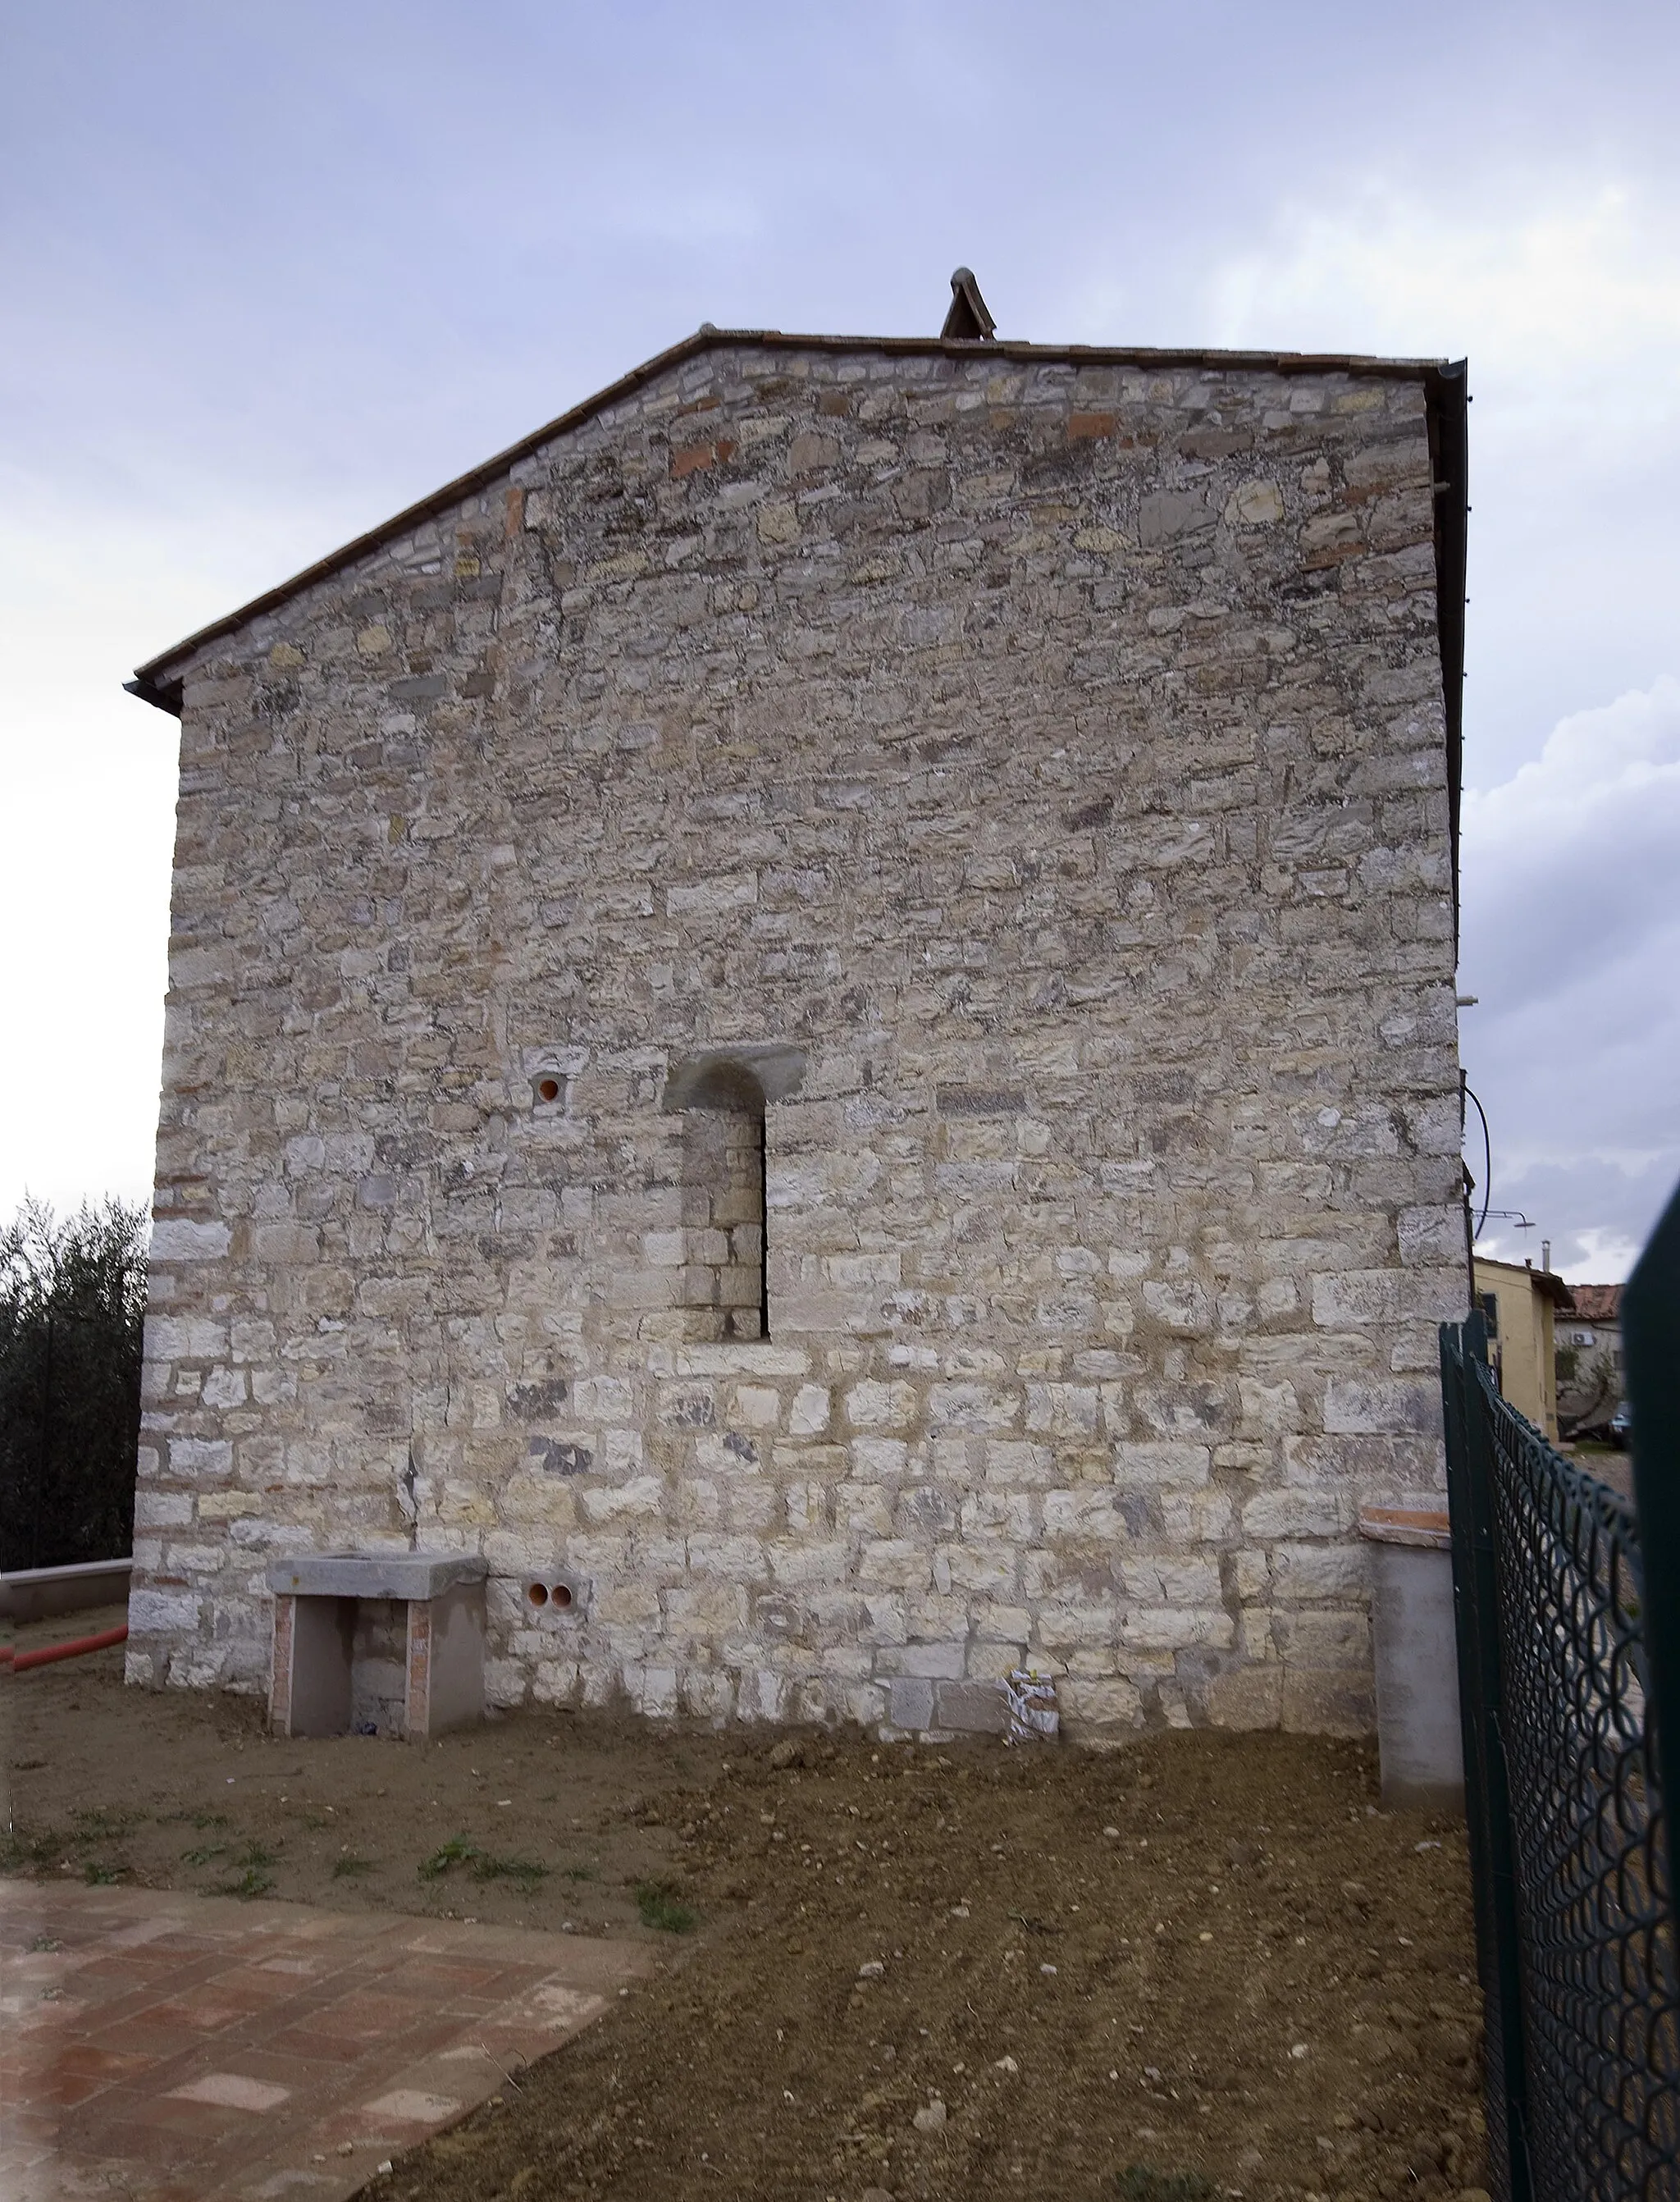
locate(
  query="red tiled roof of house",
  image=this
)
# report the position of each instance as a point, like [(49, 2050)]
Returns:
[(1597, 1303)]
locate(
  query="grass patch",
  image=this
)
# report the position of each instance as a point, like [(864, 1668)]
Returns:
[(1142, 2182), (21, 1849), (99, 1875), (457, 1852), (660, 1905), (196, 1820), (18, 1849), (97, 1825), (347, 1867), (253, 1881), (525, 1871), (486, 1866), (253, 1878), (203, 1853), (579, 1873)]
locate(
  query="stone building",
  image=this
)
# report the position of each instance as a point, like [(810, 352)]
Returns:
[(1588, 1359), (816, 1011)]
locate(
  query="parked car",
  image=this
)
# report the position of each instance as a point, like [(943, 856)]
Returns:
[(1621, 1425)]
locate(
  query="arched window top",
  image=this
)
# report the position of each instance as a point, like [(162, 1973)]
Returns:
[(726, 1085), (718, 1077)]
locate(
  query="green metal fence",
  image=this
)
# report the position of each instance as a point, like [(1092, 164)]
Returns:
[(1568, 1604)]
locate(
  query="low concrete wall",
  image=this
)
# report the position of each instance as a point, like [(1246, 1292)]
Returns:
[(37, 1593)]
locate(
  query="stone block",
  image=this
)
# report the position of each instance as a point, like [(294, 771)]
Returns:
[(969, 1708), (161, 1509), (1327, 1702), (1246, 1698), (942, 1661), (910, 1702), (1141, 1466), (1100, 1702), (176, 1238), (164, 1613), (1354, 1408)]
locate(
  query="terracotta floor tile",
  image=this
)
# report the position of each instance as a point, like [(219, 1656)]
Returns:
[(107, 2063), (145, 2053), (437, 1978), (132, 2141), (167, 2112), (128, 2038), (232, 2091), (352, 2048), (198, 2014), (63, 2090), (28, 2128)]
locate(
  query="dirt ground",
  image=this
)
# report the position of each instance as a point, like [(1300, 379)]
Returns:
[(1204, 1964)]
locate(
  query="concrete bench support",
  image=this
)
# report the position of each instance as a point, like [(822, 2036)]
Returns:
[(394, 1643), (1418, 1736)]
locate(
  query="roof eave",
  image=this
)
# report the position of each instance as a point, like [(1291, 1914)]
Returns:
[(1445, 385)]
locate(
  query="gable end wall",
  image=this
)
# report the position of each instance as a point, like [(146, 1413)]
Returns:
[(1050, 762)]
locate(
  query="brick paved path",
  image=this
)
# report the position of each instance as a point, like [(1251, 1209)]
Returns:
[(168, 2047)]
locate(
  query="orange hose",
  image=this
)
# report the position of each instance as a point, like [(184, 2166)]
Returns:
[(73, 1649)]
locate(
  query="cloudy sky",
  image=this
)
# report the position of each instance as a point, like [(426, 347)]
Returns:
[(268, 273)]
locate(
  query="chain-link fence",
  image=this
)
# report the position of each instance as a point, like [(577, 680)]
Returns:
[(1560, 1673)]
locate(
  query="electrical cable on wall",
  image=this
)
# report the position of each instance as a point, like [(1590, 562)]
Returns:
[(1509, 1215), (1487, 1160)]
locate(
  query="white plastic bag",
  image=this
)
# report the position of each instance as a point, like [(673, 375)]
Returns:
[(1031, 1699)]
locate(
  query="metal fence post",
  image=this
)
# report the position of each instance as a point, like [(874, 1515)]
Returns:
[(1464, 1349), (1651, 1351)]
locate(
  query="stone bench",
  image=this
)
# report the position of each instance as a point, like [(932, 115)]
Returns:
[(387, 1644)]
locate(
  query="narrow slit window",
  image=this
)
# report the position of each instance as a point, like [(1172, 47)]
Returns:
[(725, 1289)]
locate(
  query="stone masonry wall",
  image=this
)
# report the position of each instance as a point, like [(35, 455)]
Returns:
[(1053, 755)]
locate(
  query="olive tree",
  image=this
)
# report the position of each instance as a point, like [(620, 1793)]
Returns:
[(72, 1298)]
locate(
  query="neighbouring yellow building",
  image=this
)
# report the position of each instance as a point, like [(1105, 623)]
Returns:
[(1520, 1303)]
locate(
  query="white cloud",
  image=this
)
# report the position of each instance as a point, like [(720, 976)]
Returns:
[(1564, 293), (1570, 866), (1572, 941), (1558, 289)]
